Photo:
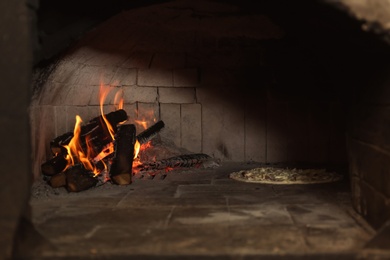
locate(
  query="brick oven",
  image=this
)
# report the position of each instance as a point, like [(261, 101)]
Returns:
[(245, 83)]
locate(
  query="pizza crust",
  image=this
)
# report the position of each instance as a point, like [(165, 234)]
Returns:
[(271, 175)]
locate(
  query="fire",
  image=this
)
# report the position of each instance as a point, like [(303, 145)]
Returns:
[(82, 151), (137, 146), (118, 100), (86, 155), (142, 123), (147, 118), (76, 152), (102, 96)]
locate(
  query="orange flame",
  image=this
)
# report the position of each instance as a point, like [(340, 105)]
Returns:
[(147, 118), (118, 100), (142, 123), (137, 146), (102, 96), (76, 152)]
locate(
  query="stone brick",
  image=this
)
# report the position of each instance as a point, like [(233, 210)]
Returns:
[(337, 143), (139, 60), (191, 127), (198, 59), (92, 75), (220, 77), (168, 60), (79, 55), (356, 194), (71, 113), (86, 113), (170, 114), (155, 77), (94, 111), (80, 95), (54, 93), (377, 206), (255, 133), (147, 113), (378, 95), (131, 110), (94, 99), (222, 126), (65, 71), (104, 58), (318, 136), (124, 76), (372, 164), (185, 77), (250, 45), (352, 158), (177, 95), (234, 59), (43, 130), (277, 129), (110, 91), (61, 120), (371, 124), (133, 94), (298, 131)]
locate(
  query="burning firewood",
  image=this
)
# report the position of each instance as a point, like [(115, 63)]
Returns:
[(149, 133), (58, 180), (79, 179), (96, 129), (187, 160), (142, 138), (54, 165), (121, 168), (94, 134)]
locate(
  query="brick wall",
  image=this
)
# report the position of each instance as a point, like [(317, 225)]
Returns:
[(369, 145), (236, 94)]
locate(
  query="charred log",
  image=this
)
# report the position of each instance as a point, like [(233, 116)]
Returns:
[(96, 129), (58, 180), (54, 165), (151, 132), (121, 168), (187, 160), (79, 179), (56, 145)]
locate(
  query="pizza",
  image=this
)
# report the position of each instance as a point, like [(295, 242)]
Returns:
[(273, 175)]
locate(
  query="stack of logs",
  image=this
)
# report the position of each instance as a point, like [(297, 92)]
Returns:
[(118, 153)]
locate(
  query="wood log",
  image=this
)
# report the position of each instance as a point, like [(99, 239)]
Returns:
[(122, 163), (58, 180), (54, 166), (150, 132), (96, 129), (79, 179), (142, 138), (185, 160)]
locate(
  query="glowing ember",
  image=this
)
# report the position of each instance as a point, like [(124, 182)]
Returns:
[(168, 169)]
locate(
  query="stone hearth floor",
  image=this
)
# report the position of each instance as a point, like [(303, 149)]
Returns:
[(197, 214)]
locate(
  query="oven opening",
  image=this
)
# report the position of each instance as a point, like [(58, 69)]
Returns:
[(233, 129)]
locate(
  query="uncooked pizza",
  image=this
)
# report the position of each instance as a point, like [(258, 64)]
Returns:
[(273, 175)]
